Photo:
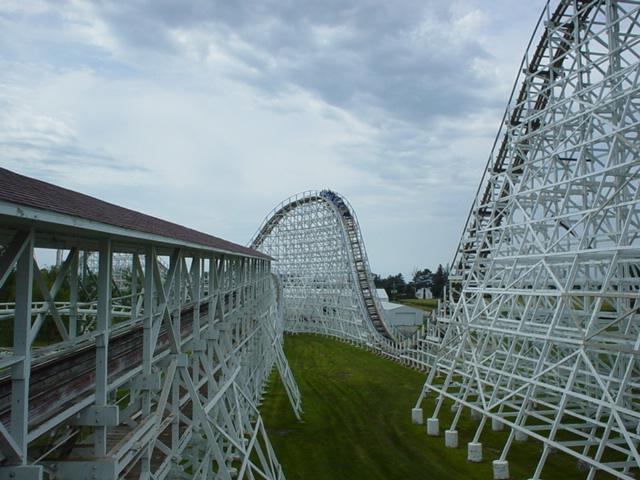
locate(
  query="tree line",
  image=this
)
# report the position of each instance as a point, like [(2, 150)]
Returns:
[(397, 288)]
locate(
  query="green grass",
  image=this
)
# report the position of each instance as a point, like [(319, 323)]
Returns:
[(357, 423), (426, 305)]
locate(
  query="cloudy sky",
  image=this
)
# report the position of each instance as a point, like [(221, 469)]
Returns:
[(209, 113)]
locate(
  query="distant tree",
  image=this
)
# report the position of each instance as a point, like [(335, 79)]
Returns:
[(410, 290), (439, 281), (398, 286), (395, 286), (423, 278)]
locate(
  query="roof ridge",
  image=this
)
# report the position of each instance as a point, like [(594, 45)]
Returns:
[(24, 190)]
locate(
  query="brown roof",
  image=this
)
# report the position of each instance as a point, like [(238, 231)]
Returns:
[(28, 191)]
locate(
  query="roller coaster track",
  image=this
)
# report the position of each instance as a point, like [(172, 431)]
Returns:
[(541, 335), (162, 382), (544, 326), (542, 70), (300, 213), (67, 377)]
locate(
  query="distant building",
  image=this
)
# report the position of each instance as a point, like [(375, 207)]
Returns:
[(424, 293), (382, 294), (402, 316)]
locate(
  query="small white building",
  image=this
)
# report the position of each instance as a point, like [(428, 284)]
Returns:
[(382, 294), (406, 319), (424, 293)]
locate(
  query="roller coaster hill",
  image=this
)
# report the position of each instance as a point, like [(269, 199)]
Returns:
[(164, 337), (336, 287)]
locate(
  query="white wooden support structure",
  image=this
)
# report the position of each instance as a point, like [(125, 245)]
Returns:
[(543, 331), (154, 374)]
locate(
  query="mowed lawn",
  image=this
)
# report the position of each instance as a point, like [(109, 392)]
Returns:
[(357, 423), (427, 305)]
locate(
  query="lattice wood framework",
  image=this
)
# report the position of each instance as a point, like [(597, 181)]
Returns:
[(544, 314), (161, 382), (321, 260)]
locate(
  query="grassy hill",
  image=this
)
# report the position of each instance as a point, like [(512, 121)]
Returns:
[(357, 423)]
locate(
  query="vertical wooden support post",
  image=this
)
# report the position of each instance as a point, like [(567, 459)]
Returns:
[(147, 345), (73, 294), (196, 268), (211, 315), (102, 340), (195, 276), (134, 287), (175, 319), (21, 348), (147, 323)]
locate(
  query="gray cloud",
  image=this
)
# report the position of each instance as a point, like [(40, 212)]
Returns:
[(217, 110), (408, 58), (40, 144), (40, 154)]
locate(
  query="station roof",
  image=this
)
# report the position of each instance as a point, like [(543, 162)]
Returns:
[(27, 191)]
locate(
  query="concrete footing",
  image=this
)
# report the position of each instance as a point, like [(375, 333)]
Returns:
[(520, 436), (500, 470), (496, 425), (416, 416), (475, 415), (433, 427), (451, 438), (474, 452)]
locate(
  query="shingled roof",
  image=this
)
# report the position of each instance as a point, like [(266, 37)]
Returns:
[(28, 191)]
